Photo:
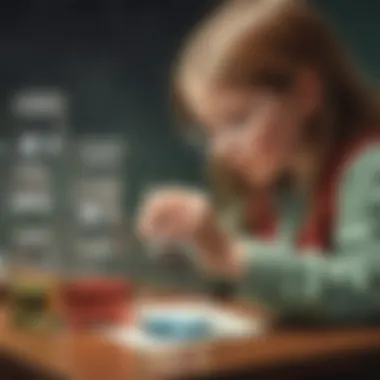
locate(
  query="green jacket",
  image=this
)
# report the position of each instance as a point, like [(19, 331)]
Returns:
[(338, 285)]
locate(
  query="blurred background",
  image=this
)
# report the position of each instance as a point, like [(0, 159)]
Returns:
[(93, 76)]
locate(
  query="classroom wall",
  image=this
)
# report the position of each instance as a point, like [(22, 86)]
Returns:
[(114, 60)]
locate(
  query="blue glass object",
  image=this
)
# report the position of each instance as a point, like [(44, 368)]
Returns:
[(177, 327)]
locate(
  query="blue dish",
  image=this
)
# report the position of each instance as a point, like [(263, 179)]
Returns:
[(174, 327)]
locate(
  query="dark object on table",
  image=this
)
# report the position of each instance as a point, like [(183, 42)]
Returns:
[(221, 289)]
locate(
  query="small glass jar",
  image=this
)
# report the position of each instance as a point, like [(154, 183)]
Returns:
[(95, 290), (33, 279)]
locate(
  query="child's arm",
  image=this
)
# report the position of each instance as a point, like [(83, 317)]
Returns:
[(342, 285)]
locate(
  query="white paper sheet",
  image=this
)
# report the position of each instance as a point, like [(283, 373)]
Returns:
[(225, 324)]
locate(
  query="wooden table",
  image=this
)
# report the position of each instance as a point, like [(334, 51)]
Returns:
[(289, 354)]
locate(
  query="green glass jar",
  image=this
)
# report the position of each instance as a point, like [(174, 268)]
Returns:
[(33, 294)]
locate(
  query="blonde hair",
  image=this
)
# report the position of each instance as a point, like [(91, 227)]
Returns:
[(262, 43)]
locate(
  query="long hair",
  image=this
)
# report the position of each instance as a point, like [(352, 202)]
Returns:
[(262, 43)]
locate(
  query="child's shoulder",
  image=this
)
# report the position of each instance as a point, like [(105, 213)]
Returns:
[(356, 192), (361, 147), (361, 159)]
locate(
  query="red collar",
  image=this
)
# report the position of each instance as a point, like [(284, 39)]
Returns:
[(316, 232)]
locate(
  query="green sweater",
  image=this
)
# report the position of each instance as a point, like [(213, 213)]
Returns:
[(342, 285)]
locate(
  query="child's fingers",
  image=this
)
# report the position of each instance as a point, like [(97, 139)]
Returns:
[(158, 218), (198, 212), (146, 221), (172, 213)]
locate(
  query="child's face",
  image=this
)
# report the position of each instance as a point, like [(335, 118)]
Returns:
[(256, 133)]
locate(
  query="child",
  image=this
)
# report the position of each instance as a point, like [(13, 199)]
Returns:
[(293, 144)]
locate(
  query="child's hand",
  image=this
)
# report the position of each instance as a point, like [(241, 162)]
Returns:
[(176, 215), (173, 214)]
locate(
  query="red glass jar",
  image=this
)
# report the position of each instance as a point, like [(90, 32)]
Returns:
[(96, 290), (91, 301)]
